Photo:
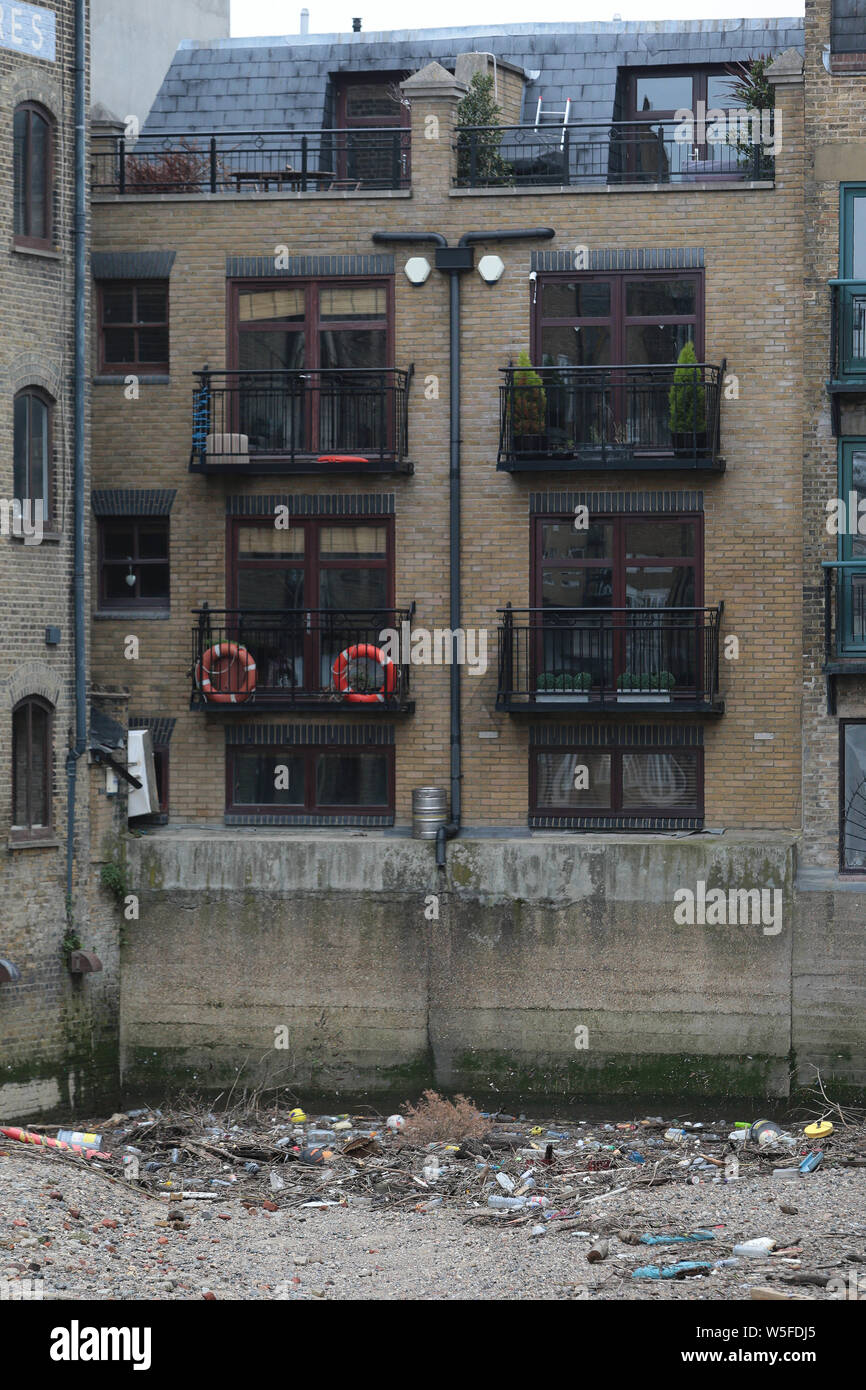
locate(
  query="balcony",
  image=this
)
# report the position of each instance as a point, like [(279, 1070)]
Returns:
[(847, 344), (334, 420), (247, 162), (621, 661), (590, 418), (584, 153), (844, 623), (323, 661)]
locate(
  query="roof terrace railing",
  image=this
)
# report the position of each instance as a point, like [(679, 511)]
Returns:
[(611, 152), (241, 162)]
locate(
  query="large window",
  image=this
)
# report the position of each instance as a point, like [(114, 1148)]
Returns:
[(291, 325), (298, 781), (595, 320), (852, 799), (306, 593), (32, 452), (368, 155), (31, 769), (620, 601), (661, 92), (133, 326), (133, 563), (33, 161), (627, 782)]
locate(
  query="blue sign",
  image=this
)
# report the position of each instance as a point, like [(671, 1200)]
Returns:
[(27, 29)]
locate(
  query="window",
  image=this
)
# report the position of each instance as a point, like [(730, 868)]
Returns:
[(655, 92), (297, 781), (291, 325), (133, 326), (33, 161), (602, 320), (327, 584), (620, 599), (852, 797), (31, 452), (852, 269), (367, 154), (31, 769), (133, 563), (623, 782)]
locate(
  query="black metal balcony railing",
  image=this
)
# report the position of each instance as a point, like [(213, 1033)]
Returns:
[(844, 622), (297, 658), (848, 332), (585, 152), (299, 161), (345, 418), (612, 658), (663, 415)]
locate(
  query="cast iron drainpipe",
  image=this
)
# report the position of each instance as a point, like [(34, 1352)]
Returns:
[(80, 227), (449, 260)]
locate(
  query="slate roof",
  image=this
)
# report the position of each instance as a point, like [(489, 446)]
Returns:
[(285, 83)]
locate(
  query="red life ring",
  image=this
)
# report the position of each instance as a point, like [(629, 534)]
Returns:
[(341, 680), (215, 669)]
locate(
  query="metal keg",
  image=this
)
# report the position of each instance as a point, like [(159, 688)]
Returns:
[(429, 811)]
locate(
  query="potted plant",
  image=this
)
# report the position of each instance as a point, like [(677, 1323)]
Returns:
[(528, 409), (551, 687), (637, 687), (687, 405)]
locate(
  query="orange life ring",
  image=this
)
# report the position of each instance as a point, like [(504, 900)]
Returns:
[(341, 680), (214, 670)]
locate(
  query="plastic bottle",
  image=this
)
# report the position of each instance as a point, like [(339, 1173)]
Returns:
[(506, 1203), (675, 1136), (505, 1182), (75, 1136), (431, 1168), (761, 1245), (320, 1136), (812, 1161)]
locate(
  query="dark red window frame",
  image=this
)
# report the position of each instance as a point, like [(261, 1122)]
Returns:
[(29, 394), (312, 323), (619, 563), (313, 563), (134, 598), (23, 177), (310, 752), (580, 751), (136, 326), (699, 77), (618, 319), (29, 831)]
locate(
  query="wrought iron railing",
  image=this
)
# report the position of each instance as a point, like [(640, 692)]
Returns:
[(610, 152), (844, 610), (337, 659), (848, 330), (607, 415), (228, 161), (612, 656), (357, 415)]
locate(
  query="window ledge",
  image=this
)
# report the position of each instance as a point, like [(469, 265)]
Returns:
[(148, 615), (614, 189), (45, 252), (143, 378), (48, 842), (53, 536)]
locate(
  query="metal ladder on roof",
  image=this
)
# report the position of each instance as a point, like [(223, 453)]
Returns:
[(546, 117)]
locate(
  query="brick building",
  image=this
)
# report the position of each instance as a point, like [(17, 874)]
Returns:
[(57, 1028), (276, 441)]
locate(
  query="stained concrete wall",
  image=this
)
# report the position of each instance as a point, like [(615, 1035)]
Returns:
[(335, 939)]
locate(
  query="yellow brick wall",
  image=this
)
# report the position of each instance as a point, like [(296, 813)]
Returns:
[(752, 243)]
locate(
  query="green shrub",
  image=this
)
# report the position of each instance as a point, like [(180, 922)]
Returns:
[(528, 399), (688, 411)]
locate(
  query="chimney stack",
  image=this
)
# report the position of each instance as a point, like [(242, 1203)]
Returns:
[(305, 21), (356, 26)]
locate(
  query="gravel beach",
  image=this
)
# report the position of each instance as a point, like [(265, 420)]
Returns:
[(90, 1236)]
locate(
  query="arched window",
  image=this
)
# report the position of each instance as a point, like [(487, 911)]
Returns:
[(31, 768), (31, 451), (33, 159)]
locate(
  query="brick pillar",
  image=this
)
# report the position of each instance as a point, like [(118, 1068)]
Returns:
[(434, 95)]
